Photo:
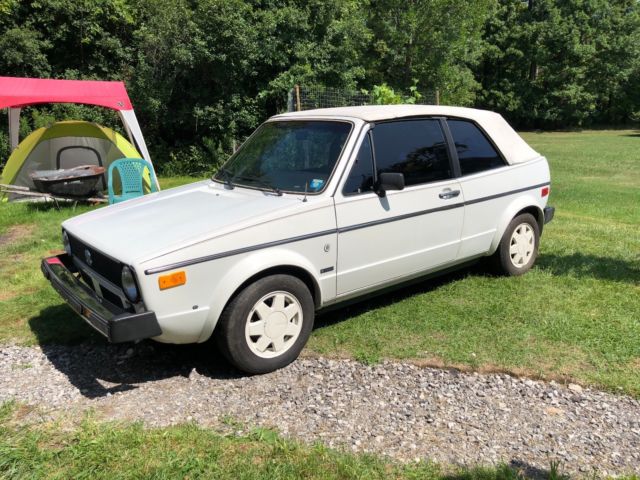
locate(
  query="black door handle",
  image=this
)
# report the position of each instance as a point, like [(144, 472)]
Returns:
[(446, 194)]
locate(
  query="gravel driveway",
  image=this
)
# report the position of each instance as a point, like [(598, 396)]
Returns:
[(397, 409)]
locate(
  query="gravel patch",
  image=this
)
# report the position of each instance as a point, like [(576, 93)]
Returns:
[(396, 409)]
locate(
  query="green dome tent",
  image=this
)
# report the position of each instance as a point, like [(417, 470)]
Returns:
[(65, 145)]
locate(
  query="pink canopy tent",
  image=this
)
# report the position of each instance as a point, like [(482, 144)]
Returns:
[(16, 93)]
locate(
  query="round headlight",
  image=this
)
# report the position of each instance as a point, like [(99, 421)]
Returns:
[(65, 242), (129, 285)]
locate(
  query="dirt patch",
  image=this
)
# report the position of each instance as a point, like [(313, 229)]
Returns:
[(22, 411), (16, 233), (6, 296), (634, 363), (10, 264), (22, 414)]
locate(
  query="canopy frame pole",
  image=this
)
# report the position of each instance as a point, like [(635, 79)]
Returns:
[(14, 127), (126, 127), (131, 124)]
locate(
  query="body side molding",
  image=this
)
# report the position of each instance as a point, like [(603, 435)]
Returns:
[(229, 253)]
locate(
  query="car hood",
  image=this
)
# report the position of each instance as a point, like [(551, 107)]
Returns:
[(160, 223)]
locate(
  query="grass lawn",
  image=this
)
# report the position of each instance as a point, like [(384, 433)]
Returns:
[(575, 316)]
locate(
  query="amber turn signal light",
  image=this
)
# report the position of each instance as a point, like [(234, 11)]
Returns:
[(171, 280)]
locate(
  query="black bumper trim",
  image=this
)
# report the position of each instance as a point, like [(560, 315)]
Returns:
[(113, 322), (549, 212)]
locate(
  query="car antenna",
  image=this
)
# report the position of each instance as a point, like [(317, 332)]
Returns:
[(305, 191)]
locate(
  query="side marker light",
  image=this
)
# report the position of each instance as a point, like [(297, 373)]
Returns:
[(172, 280)]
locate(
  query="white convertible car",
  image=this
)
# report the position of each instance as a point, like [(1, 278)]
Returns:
[(315, 208)]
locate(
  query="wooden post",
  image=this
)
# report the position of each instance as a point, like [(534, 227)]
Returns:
[(437, 96), (298, 106), (14, 127)]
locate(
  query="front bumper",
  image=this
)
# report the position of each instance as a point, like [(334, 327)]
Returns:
[(113, 322), (548, 214)]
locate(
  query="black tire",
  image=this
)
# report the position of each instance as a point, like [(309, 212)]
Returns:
[(501, 259), (230, 335)]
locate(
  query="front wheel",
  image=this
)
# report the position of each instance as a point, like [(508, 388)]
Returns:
[(267, 324), (518, 249)]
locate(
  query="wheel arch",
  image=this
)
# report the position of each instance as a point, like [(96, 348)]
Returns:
[(294, 271), (525, 204), (536, 212), (252, 268)]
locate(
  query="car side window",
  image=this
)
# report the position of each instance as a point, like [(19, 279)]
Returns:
[(360, 179), (415, 148), (475, 152)]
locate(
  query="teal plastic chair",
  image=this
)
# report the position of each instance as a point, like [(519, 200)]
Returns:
[(131, 172)]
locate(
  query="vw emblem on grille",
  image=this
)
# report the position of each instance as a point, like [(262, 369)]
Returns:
[(87, 257)]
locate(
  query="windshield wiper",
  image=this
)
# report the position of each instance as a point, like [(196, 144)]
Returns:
[(262, 183), (227, 177)]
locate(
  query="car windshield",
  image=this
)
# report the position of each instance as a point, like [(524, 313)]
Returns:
[(287, 156)]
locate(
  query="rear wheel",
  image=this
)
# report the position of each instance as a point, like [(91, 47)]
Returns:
[(267, 324), (518, 248)]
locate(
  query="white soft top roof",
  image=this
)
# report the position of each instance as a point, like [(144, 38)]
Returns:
[(512, 146)]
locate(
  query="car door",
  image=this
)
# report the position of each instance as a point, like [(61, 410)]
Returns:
[(385, 238), (485, 178)]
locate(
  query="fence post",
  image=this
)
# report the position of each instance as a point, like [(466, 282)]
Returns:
[(290, 107), (298, 107), (437, 96)]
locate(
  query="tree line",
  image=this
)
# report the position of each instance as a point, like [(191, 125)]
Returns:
[(203, 73)]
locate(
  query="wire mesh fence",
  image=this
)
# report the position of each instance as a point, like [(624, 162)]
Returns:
[(308, 98)]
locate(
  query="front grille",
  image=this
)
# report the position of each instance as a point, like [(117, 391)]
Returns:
[(111, 297), (106, 266)]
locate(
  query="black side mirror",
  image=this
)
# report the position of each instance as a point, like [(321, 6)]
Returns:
[(389, 181)]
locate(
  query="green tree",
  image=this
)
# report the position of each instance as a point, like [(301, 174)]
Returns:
[(24, 52), (237, 65), (560, 63), (85, 38), (432, 42), (316, 42)]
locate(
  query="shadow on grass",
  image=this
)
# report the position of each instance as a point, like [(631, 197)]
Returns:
[(48, 206), (97, 368), (383, 298), (577, 264), (583, 265), (59, 324)]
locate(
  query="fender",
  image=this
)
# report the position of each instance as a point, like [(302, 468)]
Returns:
[(519, 203), (244, 269)]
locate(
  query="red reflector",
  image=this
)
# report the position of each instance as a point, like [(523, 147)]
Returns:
[(54, 261), (545, 191)]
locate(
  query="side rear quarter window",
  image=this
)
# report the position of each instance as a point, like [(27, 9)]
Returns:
[(475, 152)]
